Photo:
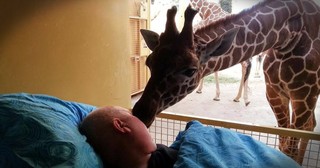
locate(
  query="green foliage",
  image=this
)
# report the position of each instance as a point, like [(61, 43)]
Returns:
[(226, 5), (222, 79)]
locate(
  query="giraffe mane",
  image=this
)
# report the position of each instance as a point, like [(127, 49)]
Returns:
[(223, 21)]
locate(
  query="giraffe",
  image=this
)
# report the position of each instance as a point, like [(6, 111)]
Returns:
[(210, 12), (288, 30)]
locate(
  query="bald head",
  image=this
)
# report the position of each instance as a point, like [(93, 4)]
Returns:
[(116, 135)]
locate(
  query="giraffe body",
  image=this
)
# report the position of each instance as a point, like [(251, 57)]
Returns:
[(210, 12), (289, 32)]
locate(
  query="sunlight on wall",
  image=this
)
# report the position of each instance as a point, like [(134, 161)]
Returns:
[(76, 50)]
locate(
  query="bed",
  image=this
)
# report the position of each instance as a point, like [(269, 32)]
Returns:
[(42, 131)]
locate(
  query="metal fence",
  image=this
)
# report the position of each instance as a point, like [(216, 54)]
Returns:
[(167, 126)]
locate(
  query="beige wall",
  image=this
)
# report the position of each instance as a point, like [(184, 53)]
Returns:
[(74, 49)]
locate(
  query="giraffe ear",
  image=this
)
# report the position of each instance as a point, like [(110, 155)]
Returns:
[(151, 38), (220, 45)]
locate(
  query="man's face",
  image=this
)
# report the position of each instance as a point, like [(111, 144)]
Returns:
[(139, 133)]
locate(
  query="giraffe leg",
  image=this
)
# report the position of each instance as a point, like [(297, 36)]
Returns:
[(245, 93), (216, 77), (303, 118), (247, 65), (236, 99), (200, 86), (217, 97), (258, 66), (280, 108)]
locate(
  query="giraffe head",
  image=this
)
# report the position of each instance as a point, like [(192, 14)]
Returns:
[(176, 66)]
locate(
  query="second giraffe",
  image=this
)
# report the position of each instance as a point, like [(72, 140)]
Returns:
[(210, 12)]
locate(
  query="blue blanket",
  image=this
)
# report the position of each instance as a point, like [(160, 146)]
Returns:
[(42, 131), (203, 146)]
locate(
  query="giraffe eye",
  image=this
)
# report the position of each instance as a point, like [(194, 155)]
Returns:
[(189, 72)]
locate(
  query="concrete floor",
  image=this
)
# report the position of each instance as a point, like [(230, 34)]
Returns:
[(258, 112)]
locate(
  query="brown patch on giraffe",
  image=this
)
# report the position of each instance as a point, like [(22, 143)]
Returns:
[(311, 101), (246, 20), (283, 36), (236, 53), (250, 50), (254, 26), (173, 102), (295, 84), (266, 22), (299, 123), (190, 89), (286, 75), (302, 93), (266, 10), (300, 105), (293, 7), (251, 38), (226, 62), (272, 37), (303, 46), (271, 70), (244, 48), (219, 62), (191, 82), (168, 100), (240, 38), (259, 38), (270, 57), (280, 20), (259, 48), (309, 62), (276, 5), (295, 23), (281, 117), (183, 89), (275, 102), (309, 7), (205, 3), (312, 79), (211, 65), (294, 64), (176, 90)]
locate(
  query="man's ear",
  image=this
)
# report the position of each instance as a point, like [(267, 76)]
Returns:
[(121, 126)]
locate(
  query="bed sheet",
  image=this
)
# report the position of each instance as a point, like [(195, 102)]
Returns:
[(42, 131), (204, 146)]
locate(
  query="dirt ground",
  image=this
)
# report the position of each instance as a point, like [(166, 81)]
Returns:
[(258, 112)]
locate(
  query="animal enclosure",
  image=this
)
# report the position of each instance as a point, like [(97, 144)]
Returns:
[(167, 126)]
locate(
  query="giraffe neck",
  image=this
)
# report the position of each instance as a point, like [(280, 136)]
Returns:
[(208, 11), (260, 28)]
